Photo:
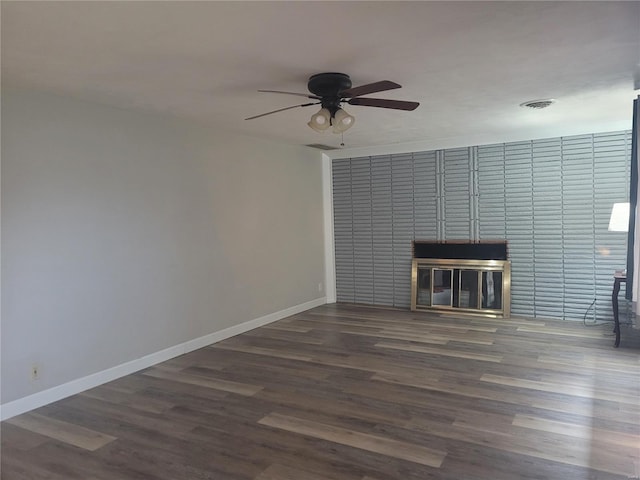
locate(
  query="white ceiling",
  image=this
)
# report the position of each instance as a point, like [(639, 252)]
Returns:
[(469, 64)]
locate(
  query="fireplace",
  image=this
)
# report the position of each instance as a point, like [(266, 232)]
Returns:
[(461, 278)]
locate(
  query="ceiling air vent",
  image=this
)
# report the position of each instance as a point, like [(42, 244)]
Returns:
[(321, 146), (538, 104)]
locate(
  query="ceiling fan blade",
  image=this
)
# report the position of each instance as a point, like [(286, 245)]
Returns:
[(384, 103), (282, 110), (381, 86), (291, 93)]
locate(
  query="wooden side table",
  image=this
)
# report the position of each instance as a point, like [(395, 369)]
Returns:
[(618, 278)]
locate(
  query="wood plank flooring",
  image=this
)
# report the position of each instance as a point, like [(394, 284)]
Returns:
[(345, 392)]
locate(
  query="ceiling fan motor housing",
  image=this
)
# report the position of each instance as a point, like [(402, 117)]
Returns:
[(329, 86)]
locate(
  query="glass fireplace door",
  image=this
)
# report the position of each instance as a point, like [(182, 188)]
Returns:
[(442, 287)]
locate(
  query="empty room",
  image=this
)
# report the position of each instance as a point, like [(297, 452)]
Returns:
[(291, 240)]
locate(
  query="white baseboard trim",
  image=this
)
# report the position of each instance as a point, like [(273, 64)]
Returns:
[(39, 399)]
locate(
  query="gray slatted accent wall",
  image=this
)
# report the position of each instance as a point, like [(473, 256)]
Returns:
[(551, 199)]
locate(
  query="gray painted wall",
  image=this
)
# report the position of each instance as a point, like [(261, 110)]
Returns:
[(124, 234), (550, 199)]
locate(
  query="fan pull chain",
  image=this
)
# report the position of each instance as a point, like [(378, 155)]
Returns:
[(342, 142)]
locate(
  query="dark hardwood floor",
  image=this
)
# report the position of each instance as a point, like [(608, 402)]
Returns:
[(345, 392)]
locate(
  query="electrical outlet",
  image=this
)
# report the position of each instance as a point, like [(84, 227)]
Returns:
[(35, 372), (320, 287)]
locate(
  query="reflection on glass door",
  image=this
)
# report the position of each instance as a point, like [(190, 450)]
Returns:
[(468, 289), (424, 286), (492, 290), (442, 287)]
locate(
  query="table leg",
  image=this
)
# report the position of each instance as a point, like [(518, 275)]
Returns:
[(614, 302)]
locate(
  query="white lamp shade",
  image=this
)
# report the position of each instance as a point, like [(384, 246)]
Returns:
[(342, 121), (320, 121), (619, 221)]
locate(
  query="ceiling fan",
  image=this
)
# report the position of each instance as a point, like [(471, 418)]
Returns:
[(331, 90)]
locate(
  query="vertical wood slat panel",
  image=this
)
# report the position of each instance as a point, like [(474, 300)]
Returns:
[(402, 179), (382, 223), (343, 231), (425, 195), (362, 230), (612, 168), (547, 228), (457, 192), (578, 246), (491, 192), (519, 225)]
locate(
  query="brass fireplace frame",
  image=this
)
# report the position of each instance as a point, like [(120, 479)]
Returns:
[(480, 266)]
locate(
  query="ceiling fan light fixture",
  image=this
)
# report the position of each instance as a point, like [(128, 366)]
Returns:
[(321, 120), (342, 121)]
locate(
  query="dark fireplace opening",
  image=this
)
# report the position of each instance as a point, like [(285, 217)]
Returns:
[(494, 250)]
